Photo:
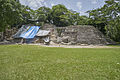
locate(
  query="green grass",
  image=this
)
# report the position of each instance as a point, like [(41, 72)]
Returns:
[(117, 46), (25, 62)]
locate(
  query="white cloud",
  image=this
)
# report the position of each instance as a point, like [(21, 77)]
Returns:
[(79, 5), (41, 0), (52, 4), (94, 1), (33, 3)]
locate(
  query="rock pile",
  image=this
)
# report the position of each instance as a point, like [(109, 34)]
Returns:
[(71, 35), (8, 34), (78, 35)]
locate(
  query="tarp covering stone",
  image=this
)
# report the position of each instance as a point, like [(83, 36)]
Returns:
[(32, 31), (22, 30), (42, 33)]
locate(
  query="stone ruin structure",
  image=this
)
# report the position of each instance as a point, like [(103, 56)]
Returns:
[(8, 34), (77, 35), (70, 35)]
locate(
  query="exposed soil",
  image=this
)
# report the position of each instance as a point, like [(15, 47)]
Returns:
[(76, 46), (63, 46)]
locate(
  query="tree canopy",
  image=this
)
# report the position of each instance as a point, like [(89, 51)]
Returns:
[(10, 13), (107, 19)]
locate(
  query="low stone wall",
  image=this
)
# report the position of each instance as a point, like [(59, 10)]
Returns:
[(71, 35), (78, 35), (8, 34)]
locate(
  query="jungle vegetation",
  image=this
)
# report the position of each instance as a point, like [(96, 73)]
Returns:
[(106, 18)]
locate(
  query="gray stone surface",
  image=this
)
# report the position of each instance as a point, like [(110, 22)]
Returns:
[(79, 35), (8, 34), (71, 35)]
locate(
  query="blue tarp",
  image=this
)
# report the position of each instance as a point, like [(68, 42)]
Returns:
[(32, 31), (22, 30)]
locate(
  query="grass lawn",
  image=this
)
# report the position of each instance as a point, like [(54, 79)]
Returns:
[(25, 62)]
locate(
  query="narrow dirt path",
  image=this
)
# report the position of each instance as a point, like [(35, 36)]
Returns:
[(75, 46)]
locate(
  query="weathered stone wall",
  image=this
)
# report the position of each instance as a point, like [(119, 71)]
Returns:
[(81, 35), (52, 30), (90, 35), (71, 35), (8, 34), (78, 35)]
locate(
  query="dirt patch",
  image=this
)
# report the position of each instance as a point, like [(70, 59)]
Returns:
[(75, 46)]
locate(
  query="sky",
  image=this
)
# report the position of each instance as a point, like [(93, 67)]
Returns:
[(80, 6)]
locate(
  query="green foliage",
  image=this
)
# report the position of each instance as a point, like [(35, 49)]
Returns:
[(9, 13), (60, 15), (113, 29), (83, 20), (26, 14), (106, 18), (59, 31), (43, 14)]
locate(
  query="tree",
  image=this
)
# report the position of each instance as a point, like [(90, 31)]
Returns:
[(60, 15), (26, 14), (9, 13), (113, 29), (83, 20), (43, 14), (106, 18)]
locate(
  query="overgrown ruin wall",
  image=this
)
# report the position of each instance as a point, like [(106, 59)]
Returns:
[(8, 34), (71, 35), (78, 35)]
